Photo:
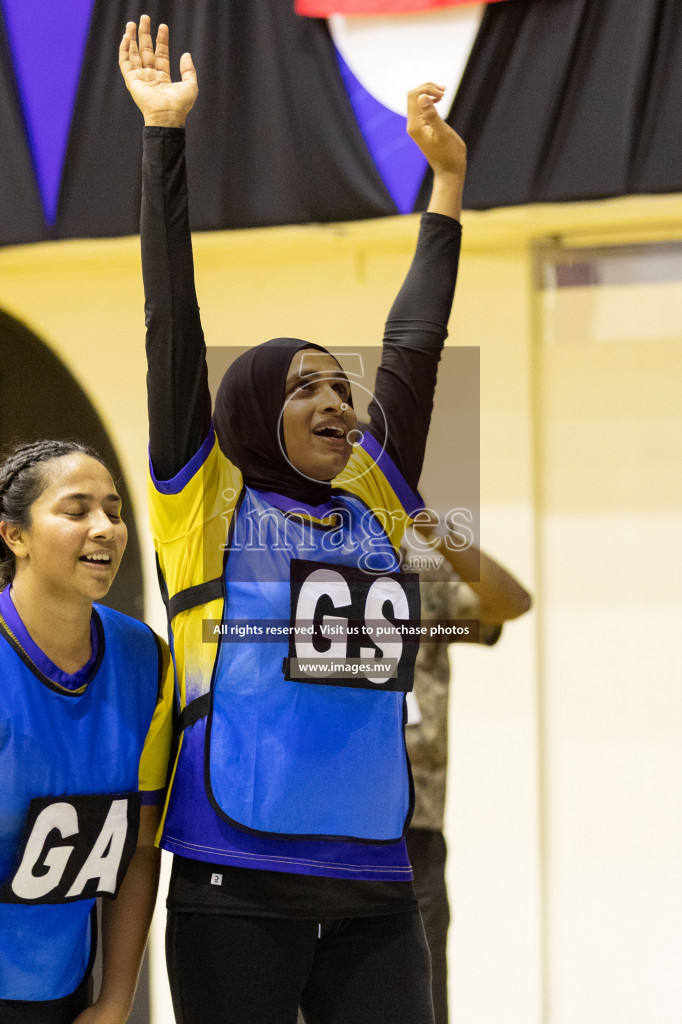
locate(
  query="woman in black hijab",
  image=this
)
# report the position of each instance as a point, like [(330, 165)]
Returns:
[(253, 406), (277, 527)]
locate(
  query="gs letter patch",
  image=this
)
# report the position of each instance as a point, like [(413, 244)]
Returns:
[(351, 628)]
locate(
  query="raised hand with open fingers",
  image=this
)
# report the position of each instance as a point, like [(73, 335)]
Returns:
[(146, 72), (442, 147)]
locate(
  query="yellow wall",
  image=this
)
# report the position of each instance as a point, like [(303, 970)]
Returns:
[(563, 816)]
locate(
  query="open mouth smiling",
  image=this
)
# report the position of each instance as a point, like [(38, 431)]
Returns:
[(330, 430), (99, 560)]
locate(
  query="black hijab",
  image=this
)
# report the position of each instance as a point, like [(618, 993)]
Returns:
[(247, 414)]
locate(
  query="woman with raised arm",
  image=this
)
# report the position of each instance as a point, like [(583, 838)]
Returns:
[(85, 729), (291, 791)]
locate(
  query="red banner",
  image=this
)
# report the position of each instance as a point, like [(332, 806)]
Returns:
[(325, 8)]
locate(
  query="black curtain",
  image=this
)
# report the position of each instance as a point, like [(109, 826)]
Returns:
[(272, 138), (561, 100), (21, 215), (571, 100)]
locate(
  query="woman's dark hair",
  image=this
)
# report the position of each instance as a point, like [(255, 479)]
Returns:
[(22, 480)]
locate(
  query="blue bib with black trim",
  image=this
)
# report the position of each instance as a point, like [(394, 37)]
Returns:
[(305, 735), (69, 803)]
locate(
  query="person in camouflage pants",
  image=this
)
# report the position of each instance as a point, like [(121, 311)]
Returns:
[(495, 599)]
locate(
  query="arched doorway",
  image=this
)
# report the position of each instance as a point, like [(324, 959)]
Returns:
[(38, 399)]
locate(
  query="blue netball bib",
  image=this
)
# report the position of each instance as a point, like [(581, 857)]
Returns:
[(305, 731), (69, 803)]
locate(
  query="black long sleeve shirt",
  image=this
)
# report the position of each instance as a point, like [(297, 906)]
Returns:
[(177, 384)]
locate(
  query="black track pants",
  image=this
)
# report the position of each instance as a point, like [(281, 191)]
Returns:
[(427, 856), (256, 970)]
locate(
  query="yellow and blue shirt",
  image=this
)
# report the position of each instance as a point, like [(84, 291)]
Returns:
[(283, 772)]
